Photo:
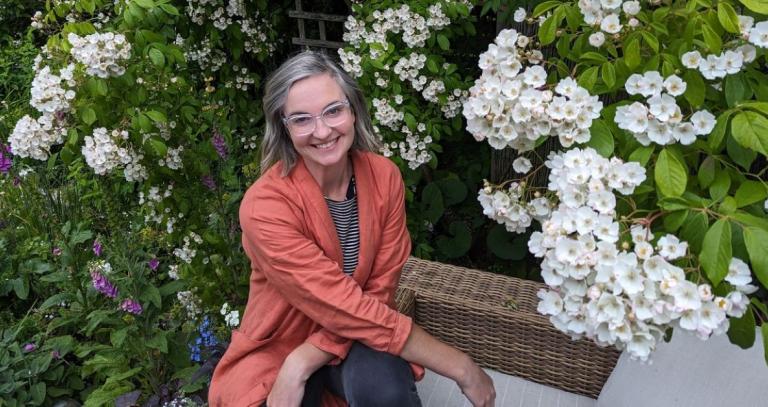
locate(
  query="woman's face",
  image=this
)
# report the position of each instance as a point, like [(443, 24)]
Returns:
[(324, 147)]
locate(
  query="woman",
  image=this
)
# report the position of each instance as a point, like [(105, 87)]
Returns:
[(324, 228)]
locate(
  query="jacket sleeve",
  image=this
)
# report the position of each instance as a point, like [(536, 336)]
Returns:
[(385, 274), (297, 267)]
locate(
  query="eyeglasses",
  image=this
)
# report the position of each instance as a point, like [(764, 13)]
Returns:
[(332, 116)]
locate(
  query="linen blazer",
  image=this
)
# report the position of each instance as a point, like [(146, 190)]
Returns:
[(298, 291)]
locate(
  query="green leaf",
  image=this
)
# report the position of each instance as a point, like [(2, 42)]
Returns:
[(751, 220), (695, 89), (152, 294), (21, 287), (736, 89), (609, 74), (715, 255), (718, 133), (742, 156), (588, 78), (432, 66), (459, 242), (147, 4), (432, 202), (632, 54), (711, 38), (761, 7), (506, 245), (741, 331), (158, 342), (694, 229), (169, 9), (706, 172), (117, 338), (651, 40), (674, 220), (171, 288), (156, 146), (543, 7), (88, 116), (756, 241), (442, 40), (592, 56), (602, 138), (56, 299), (157, 57), (454, 191), (750, 129), (642, 155), (761, 107), (410, 121), (720, 186), (670, 174), (727, 17), (158, 117), (728, 206), (764, 328), (37, 391), (95, 318), (548, 30), (750, 192)]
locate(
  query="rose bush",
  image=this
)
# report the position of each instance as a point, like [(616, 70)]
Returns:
[(653, 217), (127, 144)]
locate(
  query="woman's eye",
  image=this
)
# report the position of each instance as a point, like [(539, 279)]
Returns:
[(301, 121), (334, 111)]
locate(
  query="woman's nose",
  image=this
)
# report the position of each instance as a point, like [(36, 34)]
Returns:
[(322, 130)]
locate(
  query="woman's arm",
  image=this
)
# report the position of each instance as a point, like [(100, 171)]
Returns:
[(421, 348)]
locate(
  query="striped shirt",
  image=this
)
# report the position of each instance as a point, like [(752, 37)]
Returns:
[(344, 214)]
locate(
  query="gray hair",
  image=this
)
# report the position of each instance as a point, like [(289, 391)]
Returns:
[(276, 145)]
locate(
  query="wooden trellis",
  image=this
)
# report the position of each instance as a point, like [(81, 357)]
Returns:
[(302, 16)]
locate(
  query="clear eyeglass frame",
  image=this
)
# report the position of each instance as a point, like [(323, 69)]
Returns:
[(294, 125)]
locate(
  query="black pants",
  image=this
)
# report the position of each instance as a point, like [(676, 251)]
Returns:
[(366, 378)]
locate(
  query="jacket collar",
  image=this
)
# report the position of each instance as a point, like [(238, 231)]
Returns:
[(310, 191)]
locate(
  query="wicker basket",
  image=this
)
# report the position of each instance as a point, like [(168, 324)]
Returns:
[(494, 319)]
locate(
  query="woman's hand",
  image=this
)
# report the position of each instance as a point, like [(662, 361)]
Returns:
[(288, 390), (445, 360), (477, 386)]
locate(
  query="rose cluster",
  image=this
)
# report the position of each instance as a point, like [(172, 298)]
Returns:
[(731, 61), (606, 14), (508, 207), (101, 53), (510, 106), (104, 151), (51, 95), (414, 29), (660, 119)]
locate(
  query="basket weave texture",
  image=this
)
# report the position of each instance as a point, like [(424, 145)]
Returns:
[(493, 318)]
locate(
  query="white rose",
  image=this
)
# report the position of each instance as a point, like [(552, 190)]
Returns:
[(597, 39)]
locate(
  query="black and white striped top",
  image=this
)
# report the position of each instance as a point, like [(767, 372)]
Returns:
[(344, 214)]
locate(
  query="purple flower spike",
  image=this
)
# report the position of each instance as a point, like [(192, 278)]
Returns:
[(30, 347), (220, 144), (209, 182), (154, 264), (131, 306), (102, 285), (97, 248), (6, 161)]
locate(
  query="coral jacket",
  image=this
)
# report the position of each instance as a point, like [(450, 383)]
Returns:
[(298, 291)]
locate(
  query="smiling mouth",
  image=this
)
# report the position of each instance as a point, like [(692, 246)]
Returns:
[(327, 145)]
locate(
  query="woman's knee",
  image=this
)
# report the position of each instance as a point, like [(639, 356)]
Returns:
[(373, 378)]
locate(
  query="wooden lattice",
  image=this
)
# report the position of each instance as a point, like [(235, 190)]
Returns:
[(321, 19)]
